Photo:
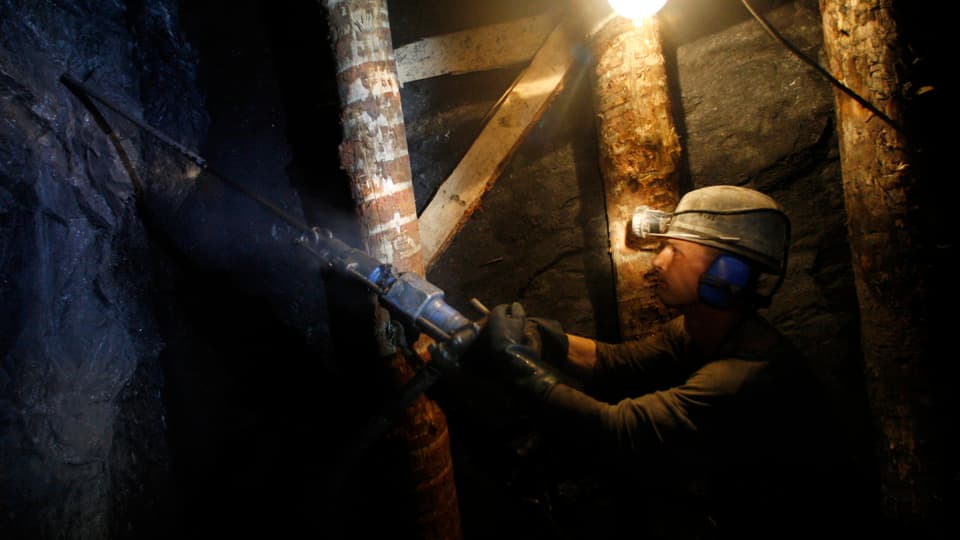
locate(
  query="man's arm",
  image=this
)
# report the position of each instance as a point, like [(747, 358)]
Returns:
[(581, 356), (703, 403)]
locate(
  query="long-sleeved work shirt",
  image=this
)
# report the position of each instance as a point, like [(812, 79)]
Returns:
[(666, 392), (744, 421)]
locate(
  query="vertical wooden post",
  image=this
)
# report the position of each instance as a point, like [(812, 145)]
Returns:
[(639, 155), (880, 185), (374, 154)]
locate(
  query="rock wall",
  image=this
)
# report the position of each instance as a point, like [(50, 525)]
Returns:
[(82, 448), (142, 296)]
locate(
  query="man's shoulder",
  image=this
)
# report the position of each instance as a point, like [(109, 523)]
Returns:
[(758, 339)]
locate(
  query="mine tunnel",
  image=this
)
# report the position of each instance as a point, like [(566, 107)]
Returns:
[(249, 251)]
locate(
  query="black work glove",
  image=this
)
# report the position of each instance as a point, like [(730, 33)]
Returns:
[(552, 342), (516, 355)]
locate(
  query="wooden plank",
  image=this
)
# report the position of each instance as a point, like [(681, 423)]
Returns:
[(521, 107), (488, 47)]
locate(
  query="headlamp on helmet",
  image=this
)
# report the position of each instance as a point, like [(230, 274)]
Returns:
[(648, 222)]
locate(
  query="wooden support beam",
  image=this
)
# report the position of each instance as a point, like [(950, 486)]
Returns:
[(489, 47), (639, 156), (524, 103), (882, 184), (374, 154)]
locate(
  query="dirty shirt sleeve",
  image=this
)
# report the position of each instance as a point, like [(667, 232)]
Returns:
[(638, 366), (661, 419)]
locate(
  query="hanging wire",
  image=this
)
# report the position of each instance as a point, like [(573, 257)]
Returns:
[(813, 63)]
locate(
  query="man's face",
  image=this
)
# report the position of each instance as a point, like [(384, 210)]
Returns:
[(679, 265)]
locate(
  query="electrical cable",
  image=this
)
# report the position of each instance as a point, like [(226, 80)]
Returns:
[(820, 69)]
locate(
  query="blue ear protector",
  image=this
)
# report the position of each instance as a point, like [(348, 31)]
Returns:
[(727, 279)]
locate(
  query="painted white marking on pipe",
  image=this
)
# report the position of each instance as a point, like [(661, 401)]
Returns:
[(374, 85), (357, 91), (394, 224), (385, 187)]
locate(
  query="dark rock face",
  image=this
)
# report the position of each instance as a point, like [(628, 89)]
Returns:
[(82, 438), (162, 332)]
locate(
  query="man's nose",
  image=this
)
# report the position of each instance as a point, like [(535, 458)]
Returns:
[(660, 260)]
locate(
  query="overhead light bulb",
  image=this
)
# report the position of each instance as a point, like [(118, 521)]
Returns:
[(637, 9)]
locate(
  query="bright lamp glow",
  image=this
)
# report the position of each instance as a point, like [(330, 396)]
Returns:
[(637, 9)]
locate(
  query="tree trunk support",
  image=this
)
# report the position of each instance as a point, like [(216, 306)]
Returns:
[(880, 193), (374, 154), (639, 156)]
